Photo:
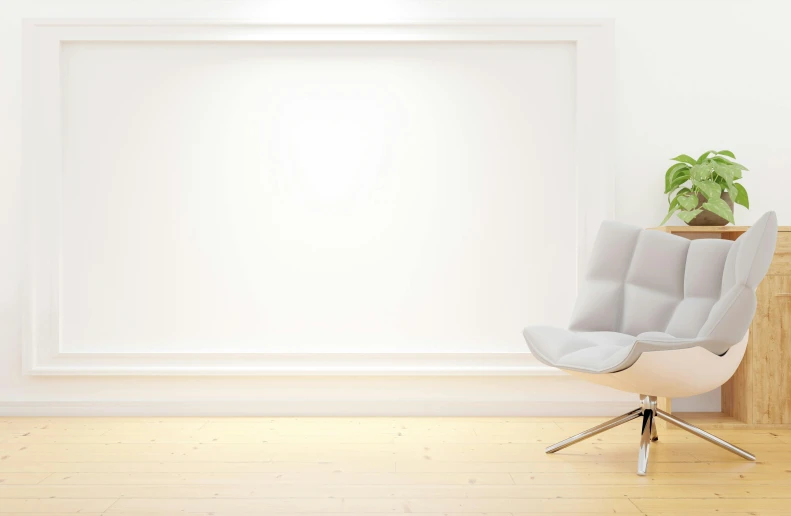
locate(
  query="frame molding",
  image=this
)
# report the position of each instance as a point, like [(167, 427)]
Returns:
[(42, 151), (434, 406)]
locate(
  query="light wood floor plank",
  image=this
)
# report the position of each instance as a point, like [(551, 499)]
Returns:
[(715, 478), (561, 466), (279, 478), (754, 505), (358, 505), (557, 466), (22, 478), (332, 466), (39, 505), (445, 491), (209, 466), (258, 513)]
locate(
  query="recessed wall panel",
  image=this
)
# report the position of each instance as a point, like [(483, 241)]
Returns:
[(315, 197)]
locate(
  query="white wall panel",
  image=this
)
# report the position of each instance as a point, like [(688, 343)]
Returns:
[(315, 197)]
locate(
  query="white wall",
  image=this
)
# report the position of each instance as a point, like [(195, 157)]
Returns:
[(690, 76)]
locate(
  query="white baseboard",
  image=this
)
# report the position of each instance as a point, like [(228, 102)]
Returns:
[(288, 364), (270, 408)]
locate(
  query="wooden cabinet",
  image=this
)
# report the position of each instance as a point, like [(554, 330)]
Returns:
[(760, 391)]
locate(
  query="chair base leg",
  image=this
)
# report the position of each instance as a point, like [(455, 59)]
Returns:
[(704, 435), (648, 434), (595, 430)]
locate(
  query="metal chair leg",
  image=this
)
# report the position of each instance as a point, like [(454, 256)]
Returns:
[(647, 432), (705, 435), (595, 430)]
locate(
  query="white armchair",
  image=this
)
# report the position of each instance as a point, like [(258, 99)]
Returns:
[(660, 315)]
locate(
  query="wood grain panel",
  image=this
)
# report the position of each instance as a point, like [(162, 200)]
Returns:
[(783, 242), (736, 395), (772, 359), (781, 263)]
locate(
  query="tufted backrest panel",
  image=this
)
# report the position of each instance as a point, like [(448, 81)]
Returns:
[(746, 265), (654, 284), (600, 299), (647, 281), (703, 274)]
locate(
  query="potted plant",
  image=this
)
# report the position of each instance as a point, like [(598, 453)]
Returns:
[(701, 192)]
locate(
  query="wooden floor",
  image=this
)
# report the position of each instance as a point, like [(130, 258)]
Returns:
[(427, 466)]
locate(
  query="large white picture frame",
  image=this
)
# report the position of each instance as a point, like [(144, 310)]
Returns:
[(593, 40)]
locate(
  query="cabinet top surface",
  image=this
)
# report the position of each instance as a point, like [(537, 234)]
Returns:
[(711, 229)]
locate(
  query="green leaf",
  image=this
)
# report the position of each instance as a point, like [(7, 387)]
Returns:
[(726, 153), (688, 201), (726, 161), (684, 159), (673, 203), (728, 173), (687, 216), (671, 174), (675, 199), (741, 195), (678, 180), (670, 213), (705, 155), (700, 172), (724, 171), (708, 188), (719, 207)]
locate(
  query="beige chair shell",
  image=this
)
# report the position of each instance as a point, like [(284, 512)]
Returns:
[(676, 373)]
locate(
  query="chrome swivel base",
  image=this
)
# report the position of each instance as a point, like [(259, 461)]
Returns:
[(648, 412)]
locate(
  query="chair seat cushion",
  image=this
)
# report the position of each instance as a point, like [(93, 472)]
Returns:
[(596, 351)]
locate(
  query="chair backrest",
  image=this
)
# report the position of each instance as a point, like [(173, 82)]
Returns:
[(641, 280)]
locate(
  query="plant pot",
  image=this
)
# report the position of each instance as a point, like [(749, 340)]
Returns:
[(707, 218)]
